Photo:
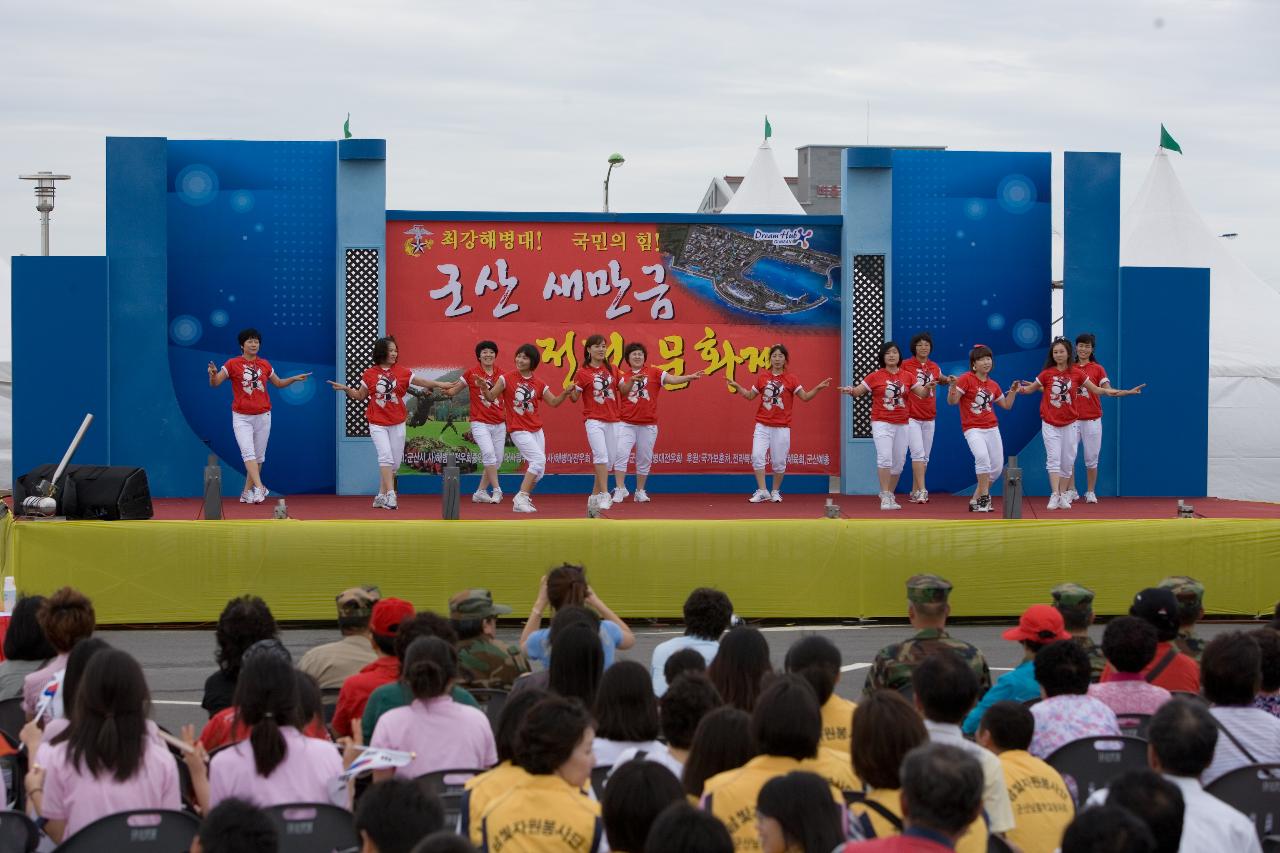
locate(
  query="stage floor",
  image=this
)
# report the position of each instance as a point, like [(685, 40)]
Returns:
[(695, 506)]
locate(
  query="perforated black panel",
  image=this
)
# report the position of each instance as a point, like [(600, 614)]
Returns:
[(361, 312), (868, 330)]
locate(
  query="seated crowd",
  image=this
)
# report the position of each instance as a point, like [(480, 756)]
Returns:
[(436, 736)]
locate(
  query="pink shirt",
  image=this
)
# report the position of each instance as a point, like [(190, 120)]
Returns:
[(74, 795), (308, 769), (1061, 719), (34, 683), (444, 734), (1130, 695)]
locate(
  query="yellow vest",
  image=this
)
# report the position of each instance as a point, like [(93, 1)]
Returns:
[(837, 724), (482, 790), (731, 796), (543, 815), (836, 767), (1042, 806)]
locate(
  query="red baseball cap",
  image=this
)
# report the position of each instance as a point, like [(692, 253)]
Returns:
[(388, 613), (1039, 623)]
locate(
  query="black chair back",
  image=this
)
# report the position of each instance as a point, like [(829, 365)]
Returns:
[(148, 829), (491, 700), (12, 717), (314, 828), (13, 769), (1194, 697), (17, 832), (329, 702), (1134, 725), (996, 844), (449, 786), (1091, 763), (600, 775), (1255, 791)]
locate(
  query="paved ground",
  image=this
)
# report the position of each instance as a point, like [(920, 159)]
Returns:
[(177, 662)]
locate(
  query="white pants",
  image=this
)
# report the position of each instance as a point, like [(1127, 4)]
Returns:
[(987, 449), (491, 439), (1060, 448), (603, 438), (642, 437), (776, 441), (533, 447), (389, 442), (252, 432), (920, 439), (891, 445), (1091, 438)]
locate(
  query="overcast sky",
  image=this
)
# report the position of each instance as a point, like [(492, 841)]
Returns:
[(516, 106)]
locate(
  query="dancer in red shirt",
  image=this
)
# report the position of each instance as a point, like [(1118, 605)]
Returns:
[(521, 392), (251, 407), (639, 385), (777, 390), (596, 383), (976, 394), (384, 386), (1089, 414), (888, 389), (922, 410), (488, 421)]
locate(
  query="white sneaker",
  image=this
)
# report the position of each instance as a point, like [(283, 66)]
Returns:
[(1064, 500), (775, 496), (620, 494), (379, 500), (759, 496), (480, 496), (602, 501), (246, 497), (1090, 498), (924, 496), (973, 504), (496, 497), (1055, 501), (894, 499), (522, 503), (390, 502), (642, 497), (984, 504), (259, 494), (1072, 495), (887, 502)]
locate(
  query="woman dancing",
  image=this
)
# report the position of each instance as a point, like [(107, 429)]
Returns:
[(976, 393), (596, 382), (888, 389), (922, 410), (1089, 418), (488, 421)]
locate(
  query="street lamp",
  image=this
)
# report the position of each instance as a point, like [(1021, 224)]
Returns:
[(615, 159), (45, 186)]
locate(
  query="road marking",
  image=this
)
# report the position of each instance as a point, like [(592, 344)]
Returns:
[(851, 667), (173, 702), (781, 628)]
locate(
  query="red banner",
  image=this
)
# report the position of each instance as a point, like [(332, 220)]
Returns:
[(553, 284)]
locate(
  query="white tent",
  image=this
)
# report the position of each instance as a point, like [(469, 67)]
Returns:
[(1162, 228), (763, 190)]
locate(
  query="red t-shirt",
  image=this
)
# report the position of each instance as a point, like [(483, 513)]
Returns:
[(249, 385), (918, 373), (1088, 406), (1057, 403), (888, 395), (640, 404), (599, 387), (1182, 672), (387, 387), (521, 397), (977, 396), (482, 410), (777, 398), (226, 728), (355, 691)]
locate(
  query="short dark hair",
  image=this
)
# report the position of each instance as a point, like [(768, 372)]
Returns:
[(782, 348), (1183, 735), (1010, 724), (246, 334), (577, 664), (510, 717), (1155, 801), (1075, 617), (1107, 829), (634, 346), (484, 345), (1269, 644), (1049, 363), (1231, 669), (67, 617), (802, 804), (25, 639), (1129, 643), (941, 787), (1063, 668), (885, 729), (682, 828), (444, 841), (740, 666), (945, 685), (681, 662), (721, 742), (531, 352), (688, 699), (1088, 338), (917, 338), (625, 707), (382, 349), (549, 733), (817, 660), (237, 826), (979, 351), (244, 621), (786, 720), (637, 793), (430, 666), (422, 624), (884, 350), (707, 613), (398, 813)]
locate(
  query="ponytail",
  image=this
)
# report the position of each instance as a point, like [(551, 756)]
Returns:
[(566, 584), (267, 700), (430, 666)]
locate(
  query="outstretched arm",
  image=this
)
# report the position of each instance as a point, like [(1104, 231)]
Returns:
[(494, 389), (954, 394), (352, 393), (1007, 400), (808, 394), (747, 393), (677, 379), (450, 388), (854, 390), (556, 399), (217, 375), (1108, 391), (288, 380)]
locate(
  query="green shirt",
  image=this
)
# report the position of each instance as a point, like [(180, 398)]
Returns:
[(397, 695)]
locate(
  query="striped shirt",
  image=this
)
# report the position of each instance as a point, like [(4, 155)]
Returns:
[(1257, 730)]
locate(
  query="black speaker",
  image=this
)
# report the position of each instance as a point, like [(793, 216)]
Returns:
[(108, 492)]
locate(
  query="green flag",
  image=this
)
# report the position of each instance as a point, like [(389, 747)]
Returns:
[(768, 128), (1167, 141), (346, 127)]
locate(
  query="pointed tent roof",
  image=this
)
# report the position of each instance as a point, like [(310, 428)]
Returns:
[(763, 190)]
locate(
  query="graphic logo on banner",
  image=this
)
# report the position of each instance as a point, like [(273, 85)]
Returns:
[(786, 237), (415, 245)]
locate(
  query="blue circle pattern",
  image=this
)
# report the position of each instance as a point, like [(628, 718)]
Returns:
[(995, 322), (219, 317), (298, 393), (1027, 333), (975, 208), (197, 184), (242, 201), (185, 330), (1016, 193)]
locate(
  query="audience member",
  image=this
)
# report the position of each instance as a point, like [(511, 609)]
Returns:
[(885, 729), (721, 742), (444, 841), (740, 667), (439, 732), (1075, 603), (1190, 595), (66, 617), (482, 660), (37, 739), (228, 725), (626, 713), (1038, 626), (1042, 805), (565, 618), (818, 660), (681, 828), (685, 660), (562, 586), (1130, 645), (927, 609), (1268, 698), (1107, 829), (1155, 801), (26, 648), (688, 699), (395, 814), (1231, 673), (482, 789), (333, 663), (1067, 712), (576, 666), (793, 815), (244, 621), (1169, 669), (945, 688), (236, 826), (637, 793), (384, 622), (107, 759), (707, 614)]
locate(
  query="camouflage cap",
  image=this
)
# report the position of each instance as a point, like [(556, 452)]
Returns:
[(475, 604), (1187, 590), (927, 589), (1071, 595), (357, 602)]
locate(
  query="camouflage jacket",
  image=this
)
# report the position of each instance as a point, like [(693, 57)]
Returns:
[(1097, 662), (895, 663), (1189, 644), (484, 663)]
